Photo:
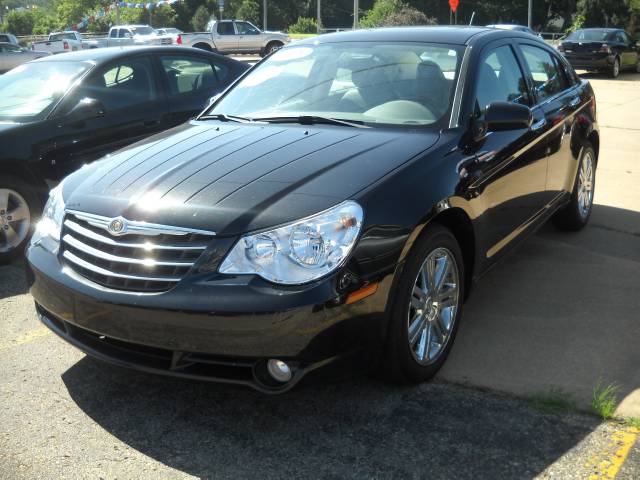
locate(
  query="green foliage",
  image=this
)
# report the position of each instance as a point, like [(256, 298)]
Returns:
[(382, 9), (44, 24), (19, 22), (304, 25), (408, 16), (605, 400), (577, 24), (200, 19), (249, 10), (633, 422)]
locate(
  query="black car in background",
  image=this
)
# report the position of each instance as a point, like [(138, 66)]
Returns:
[(609, 50), (60, 112), (337, 201)]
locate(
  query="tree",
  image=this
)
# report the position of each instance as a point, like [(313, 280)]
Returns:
[(19, 22), (200, 18), (249, 10), (304, 25), (408, 16)]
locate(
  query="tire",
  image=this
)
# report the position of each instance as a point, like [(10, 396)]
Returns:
[(271, 47), (402, 360), (203, 46), (19, 210), (638, 65), (576, 214), (614, 72)]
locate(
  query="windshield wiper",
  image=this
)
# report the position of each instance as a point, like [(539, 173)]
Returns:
[(313, 119), (223, 117)]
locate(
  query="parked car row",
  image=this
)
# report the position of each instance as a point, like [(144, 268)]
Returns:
[(337, 201)]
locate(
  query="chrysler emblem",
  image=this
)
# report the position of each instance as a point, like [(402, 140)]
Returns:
[(116, 227)]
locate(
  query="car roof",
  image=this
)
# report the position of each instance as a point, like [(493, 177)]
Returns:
[(603, 29), (107, 54), (455, 35)]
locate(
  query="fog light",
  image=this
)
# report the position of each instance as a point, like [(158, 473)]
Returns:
[(279, 370)]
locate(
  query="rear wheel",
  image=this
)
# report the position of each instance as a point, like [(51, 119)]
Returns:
[(203, 46), (615, 69), (19, 207), (426, 308), (576, 214)]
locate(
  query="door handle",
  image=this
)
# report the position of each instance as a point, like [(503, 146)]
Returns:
[(539, 124), (574, 102)]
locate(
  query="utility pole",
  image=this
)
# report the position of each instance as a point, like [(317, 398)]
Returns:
[(264, 15), (530, 16), (318, 19), (355, 14)]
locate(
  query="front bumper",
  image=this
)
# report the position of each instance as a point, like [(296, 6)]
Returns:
[(209, 326)]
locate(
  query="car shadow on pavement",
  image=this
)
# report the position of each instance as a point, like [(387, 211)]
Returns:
[(360, 428), (560, 313)]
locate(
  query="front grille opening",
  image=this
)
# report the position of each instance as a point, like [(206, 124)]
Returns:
[(139, 262)]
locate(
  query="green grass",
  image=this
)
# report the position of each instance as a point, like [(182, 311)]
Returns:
[(605, 400), (554, 401), (633, 422)]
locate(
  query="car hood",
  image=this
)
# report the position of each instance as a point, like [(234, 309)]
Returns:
[(233, 178), (7, 126)]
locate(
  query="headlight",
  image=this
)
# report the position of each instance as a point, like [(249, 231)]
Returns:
[(50, 223), (299, 252)]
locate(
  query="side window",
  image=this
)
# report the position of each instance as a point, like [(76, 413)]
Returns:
[(113, 33), (188, 74), (500, 79), (123, 33), (125, 84), (226, 28), (245, 28), (625, 38), (547, 78)]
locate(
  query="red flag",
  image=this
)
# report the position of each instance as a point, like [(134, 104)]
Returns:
[(454, 5)]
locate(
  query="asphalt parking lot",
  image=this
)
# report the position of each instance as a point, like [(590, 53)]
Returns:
[(561, 314)]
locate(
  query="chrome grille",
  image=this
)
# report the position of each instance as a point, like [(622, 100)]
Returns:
[(142, 257)]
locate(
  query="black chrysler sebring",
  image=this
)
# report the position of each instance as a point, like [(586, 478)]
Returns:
[(339, 198)]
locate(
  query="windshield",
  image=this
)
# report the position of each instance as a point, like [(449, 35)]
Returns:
[(399, 83), (142, 30), (589, 35), (30, 91)]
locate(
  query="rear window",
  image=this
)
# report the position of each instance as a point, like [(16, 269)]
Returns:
[(590, 36)]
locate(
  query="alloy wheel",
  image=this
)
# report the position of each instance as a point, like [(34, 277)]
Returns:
[(15, 219), (616, 68), (433, 306), (585, 185)]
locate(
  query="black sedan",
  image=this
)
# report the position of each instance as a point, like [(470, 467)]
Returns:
[(60, 112), (339, 199), (609, 50)]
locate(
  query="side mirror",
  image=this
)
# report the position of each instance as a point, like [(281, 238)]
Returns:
[(501, 116), (128, 35), (86, 109)]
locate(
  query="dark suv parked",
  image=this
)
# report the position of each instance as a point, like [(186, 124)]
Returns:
[(60, 112)]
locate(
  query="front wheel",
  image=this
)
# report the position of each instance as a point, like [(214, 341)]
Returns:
[(19, 207), (426, 308), (576, 214)]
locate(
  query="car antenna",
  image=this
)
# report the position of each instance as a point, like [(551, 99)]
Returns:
[(472, 17)]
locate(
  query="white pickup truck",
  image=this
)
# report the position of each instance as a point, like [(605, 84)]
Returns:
[(60, 42), (234, 36), (122, 35)]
